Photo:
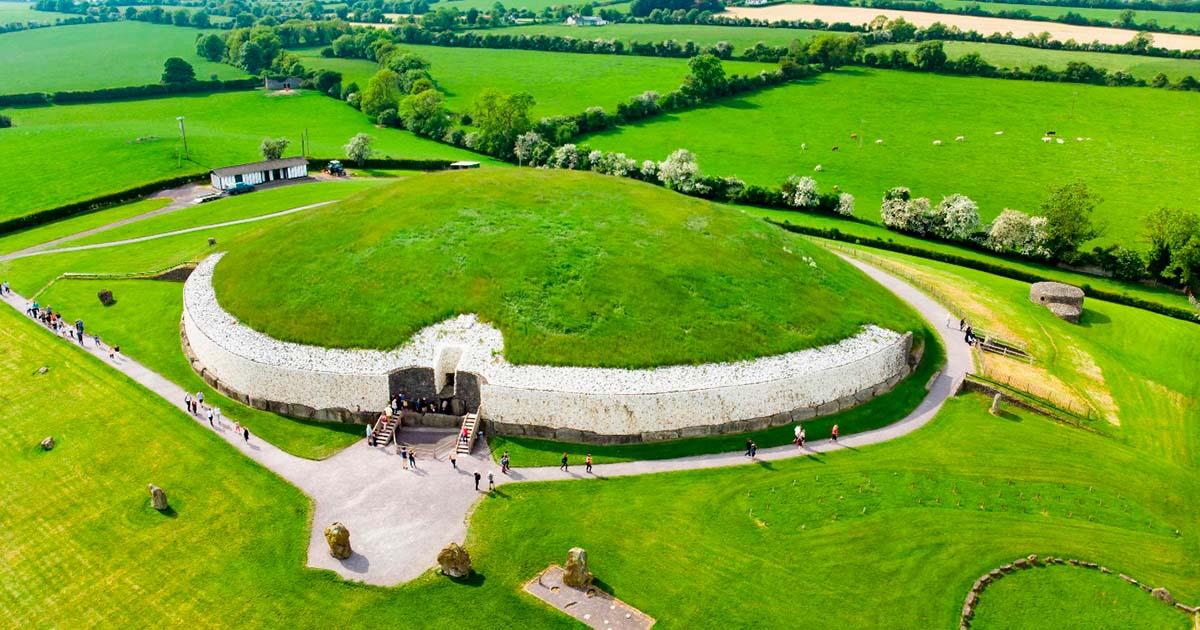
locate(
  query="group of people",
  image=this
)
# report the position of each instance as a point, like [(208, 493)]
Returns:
[(563, 463), (401, 403), (55, 322), (195, 406)]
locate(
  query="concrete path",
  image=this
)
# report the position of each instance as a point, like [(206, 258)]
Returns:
[(35, 251), (399, 519)]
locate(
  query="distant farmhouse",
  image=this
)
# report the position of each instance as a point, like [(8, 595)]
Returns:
[(259, 172), (585, 20), (758, 3), (290, 83)]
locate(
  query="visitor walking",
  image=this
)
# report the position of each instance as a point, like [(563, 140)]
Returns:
[(491, 481), (246, 434), (796, 432), (563, 465), (588, 462), (962, 323), (199, 400), (753, 449), (504, 463), (835, 433), (969, 337), (412, 458), (96, 340), (802, 437), (79, 330), (370, 435), (216, 411), (477, 478), (453, 460), (237, 428), (187, 402), (404, 457), (210, 418), (749, 443)]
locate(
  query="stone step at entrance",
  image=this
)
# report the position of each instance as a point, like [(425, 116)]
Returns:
[(466, 436), (428, 442)]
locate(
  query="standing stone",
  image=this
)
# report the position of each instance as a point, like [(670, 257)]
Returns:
[(338, 538), (106, 297), (455, 561), (996, 405), (1163, 594), (48, 443), (577, 574), (158, 498)]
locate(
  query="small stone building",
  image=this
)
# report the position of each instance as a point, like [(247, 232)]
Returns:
[(1064, 300), (288, 83)]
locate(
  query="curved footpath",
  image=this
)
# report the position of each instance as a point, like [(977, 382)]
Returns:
[(399, 519)]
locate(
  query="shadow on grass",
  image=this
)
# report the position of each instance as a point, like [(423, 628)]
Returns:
[(1008, 415), (498, 494), (475, 580), (169, 512), (1092, 318), (764, 464), (604, 586)]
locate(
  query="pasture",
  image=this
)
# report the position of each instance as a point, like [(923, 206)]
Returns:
[(1138, 151), (137, 142), (19, 11), (741, 37), (1177, 19), (1004, 56), (94, 56), (561, 83), (904, 526)]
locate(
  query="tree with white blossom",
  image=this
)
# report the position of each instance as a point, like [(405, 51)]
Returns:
[(800, 192), (525, 146), (1015, 231), (681, 173), (567, 156), (845, 205), (959, 218)]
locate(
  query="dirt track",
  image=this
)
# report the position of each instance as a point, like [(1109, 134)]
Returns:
[(983, 25)]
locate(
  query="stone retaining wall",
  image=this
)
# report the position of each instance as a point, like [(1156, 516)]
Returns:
[(563, 403)]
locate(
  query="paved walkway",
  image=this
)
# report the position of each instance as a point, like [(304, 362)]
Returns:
[(399, 519), (36, 251)]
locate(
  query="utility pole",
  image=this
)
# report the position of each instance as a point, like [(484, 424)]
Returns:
[(183, 133)]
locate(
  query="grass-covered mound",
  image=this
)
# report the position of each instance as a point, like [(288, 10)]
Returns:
[(573, 268)]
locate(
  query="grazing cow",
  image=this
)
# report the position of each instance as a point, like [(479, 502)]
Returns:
[(854, 136), (879, 141), (999, 133), (1050, 133), (1078, 139), (803, 146), (1061, 141), (1046, 138), (835, 148), (937, 143), (960, 138)]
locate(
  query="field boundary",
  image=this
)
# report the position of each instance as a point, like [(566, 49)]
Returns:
[(986, 267)]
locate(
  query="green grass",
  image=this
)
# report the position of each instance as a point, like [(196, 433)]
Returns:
[(94, 56), (1140, 155), (23, 12), (529, 452), (741, 37), (137, 142), (1004, 56), (261, 202), (532, 5), (574, 268), (890, 535), (145, 319), (1178, 19), (1156, 294), (67, 227), (561, 83), (1090, 599)]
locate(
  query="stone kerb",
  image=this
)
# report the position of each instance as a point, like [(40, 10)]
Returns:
[(656, 403)]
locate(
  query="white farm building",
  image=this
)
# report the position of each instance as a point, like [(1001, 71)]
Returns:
[(259, 172)]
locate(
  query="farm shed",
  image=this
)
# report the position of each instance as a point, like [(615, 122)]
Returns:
[(259, 172)]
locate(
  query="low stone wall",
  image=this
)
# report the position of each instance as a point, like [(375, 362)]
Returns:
[(1033, 561), (563, 403)]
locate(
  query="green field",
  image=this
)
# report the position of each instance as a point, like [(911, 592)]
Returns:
[(574, 268), (23, 12), (68, 227), (1141, 152), (531, 5), (94, 56), (1177, 19), (1004, 56), (137, 142), (561, 83), (741, 37), (923, 515), (145, 319)]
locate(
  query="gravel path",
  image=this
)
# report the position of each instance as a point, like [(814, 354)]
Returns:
[(399, 519)]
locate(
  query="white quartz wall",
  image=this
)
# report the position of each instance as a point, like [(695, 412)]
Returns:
[(601, 400)]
